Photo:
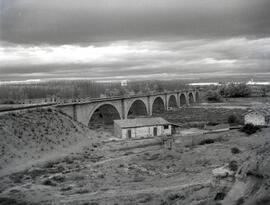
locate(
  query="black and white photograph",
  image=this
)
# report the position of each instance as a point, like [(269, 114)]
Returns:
[(134, 102)]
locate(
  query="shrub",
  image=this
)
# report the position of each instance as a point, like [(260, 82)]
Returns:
[(235, 90), (240, 201), (219, 196), (233, 166), (207, 141), (235, 150), (9, 102), (138, 178), (59, 178), (145, 199), (213, 96), (82, 191), (49, 182), (212, 123), (233, 119), (173, 197), (263, 201), (9, 201), (250, 128)]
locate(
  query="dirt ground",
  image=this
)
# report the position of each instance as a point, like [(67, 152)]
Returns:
[(99, 170)]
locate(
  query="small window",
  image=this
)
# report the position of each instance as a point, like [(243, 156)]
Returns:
[(166, 127)]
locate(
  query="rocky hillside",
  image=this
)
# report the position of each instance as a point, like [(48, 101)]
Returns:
[(32, 135), (250, 185)]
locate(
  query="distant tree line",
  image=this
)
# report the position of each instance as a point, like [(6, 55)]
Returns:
[(231, 90), (235, 90), (12, 93)]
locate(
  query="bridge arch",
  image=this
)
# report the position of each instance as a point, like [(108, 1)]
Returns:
[(191, 98), (172, 101), (104, 113), (83, 111), (137, 107), (158, 104), (183, 99)]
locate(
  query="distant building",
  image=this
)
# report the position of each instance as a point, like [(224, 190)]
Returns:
[(260, 117), (251, 82), (142, 127), (124, 83), (204, 84)]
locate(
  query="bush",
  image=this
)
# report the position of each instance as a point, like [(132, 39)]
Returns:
[(263, 201), (233, 166), (250, 128), (212, 123), (49, 182), (8, 102), (138, 178), (213, 96), (235, 150), (176, 196), (240, 201), (233, 119), (219, 196), (235, 90), (207, 141)]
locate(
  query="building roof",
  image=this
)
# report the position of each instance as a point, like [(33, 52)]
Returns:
[(141, 122), (262, 111)]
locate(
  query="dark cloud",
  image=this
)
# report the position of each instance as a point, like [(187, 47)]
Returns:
[(204, 57), (88, 21), (115, 39)]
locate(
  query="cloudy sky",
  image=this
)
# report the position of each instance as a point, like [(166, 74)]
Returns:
[(133, 39)]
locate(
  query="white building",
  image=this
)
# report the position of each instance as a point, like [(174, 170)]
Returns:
[(141, 127), (260, 117), (124, 83)]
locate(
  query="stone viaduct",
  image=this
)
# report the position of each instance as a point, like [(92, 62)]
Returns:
[(83, 111)]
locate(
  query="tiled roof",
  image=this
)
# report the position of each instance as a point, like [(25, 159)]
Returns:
[(141, 122), (263, 111)]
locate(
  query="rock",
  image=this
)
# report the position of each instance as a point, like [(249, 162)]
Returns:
[(58, 177), (223, 172), (35, 171), (67, 188), (49, 182)]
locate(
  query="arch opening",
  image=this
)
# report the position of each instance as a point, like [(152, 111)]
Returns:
[(158, 106), (183, 100), (103, 117), (191, 98), (137, 109), (172, 101)]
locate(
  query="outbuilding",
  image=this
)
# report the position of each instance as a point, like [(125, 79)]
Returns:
[(259, 117), (142, 127)]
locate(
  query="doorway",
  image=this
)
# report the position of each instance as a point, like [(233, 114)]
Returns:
[(155, 131), (129, 134)]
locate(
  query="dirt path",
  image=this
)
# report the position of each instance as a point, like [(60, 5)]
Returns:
[(211, 106), (112, 193), (119, 158)]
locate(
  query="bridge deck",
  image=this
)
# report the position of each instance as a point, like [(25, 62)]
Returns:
[(122, 97), (91, 100)]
